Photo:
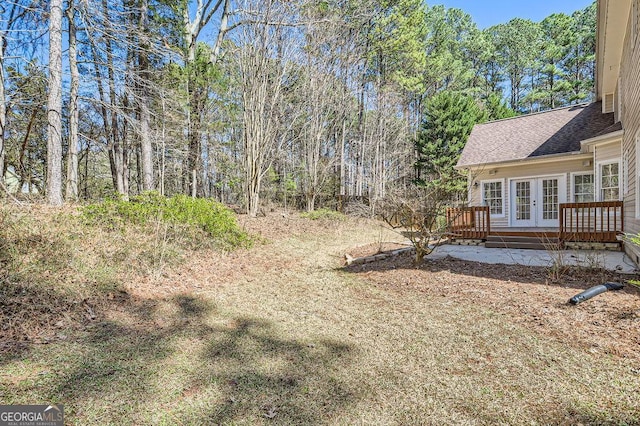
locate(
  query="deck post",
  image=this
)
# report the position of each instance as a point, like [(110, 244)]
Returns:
[(488, 216), (621, 218), (561, 223)]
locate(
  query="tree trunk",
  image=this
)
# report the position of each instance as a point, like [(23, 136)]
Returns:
[(105, 116), (116, 147), (146, 148), (343, 171), (163, 149), (125, 149), (8, 21), (72, 155), (3, 109), (54, 116), (252, 176), (86, 169), (194, 155), (311, 202), (204, 11)]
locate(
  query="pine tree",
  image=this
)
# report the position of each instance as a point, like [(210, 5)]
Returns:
[(496, 108), (517, 44), (447, 123)]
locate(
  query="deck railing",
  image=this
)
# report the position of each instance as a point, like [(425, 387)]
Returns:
[(469, 222), (591, 222)]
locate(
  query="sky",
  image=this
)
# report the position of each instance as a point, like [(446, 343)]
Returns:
[(486, 13)]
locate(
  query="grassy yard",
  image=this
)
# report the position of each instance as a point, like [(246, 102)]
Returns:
[(282, 334)]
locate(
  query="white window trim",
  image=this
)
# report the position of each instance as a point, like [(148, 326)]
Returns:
[(598, 177), (572, 193), (562, 194), (504, 198)]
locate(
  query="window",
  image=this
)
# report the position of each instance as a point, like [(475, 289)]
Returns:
[(609, 182), (492, 197), (583, 188), (550, 192)]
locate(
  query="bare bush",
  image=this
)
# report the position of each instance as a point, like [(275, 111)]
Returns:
[(419, 213)]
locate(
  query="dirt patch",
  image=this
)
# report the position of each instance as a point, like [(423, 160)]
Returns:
[(607, 324)]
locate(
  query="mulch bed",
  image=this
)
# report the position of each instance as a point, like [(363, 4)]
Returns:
[(534, 297)]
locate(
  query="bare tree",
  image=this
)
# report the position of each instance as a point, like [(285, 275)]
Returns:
[(264, 59), (72, 154), (12, 13), (320, 97), (146, 147), (54, 141)]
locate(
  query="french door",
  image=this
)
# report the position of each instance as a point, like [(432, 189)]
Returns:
[(536, 202)]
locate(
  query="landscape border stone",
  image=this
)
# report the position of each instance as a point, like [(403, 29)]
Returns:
[(376, 257)]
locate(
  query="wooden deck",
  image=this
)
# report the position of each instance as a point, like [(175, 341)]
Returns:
[(469, 222), (598, 222)]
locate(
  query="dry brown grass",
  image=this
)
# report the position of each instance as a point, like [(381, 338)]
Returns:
[(280, 334), (57, 271)]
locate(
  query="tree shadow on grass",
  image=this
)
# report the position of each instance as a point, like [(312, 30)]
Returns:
[(244, 370), (271, 377)]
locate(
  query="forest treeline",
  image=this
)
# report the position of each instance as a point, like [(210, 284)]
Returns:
[(308, 103)]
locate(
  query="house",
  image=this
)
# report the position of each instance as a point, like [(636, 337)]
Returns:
[(571, 172)]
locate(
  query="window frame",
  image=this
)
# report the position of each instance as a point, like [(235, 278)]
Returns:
[(573, 185), (599, 187), (502, 196)]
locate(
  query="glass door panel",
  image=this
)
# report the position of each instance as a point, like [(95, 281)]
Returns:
[(522, 213), (549, 199)]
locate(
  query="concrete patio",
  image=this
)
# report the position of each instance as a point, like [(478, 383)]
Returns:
[(610, 260)]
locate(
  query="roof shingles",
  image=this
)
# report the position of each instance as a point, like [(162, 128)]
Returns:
[(553, 132)]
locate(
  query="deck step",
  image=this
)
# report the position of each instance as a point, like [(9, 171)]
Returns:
[(522, 242), (521, 239), (522, 245)]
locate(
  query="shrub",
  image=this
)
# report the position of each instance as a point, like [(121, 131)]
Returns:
[(212, 217)]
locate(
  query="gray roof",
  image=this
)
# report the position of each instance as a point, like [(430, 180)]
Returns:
[(528, 136), (613, 128)]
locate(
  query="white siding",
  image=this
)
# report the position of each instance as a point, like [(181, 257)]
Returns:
[(523, 170), (630, 117), (607, 152)]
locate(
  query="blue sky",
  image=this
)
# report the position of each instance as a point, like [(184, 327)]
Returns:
[(486, 13)]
